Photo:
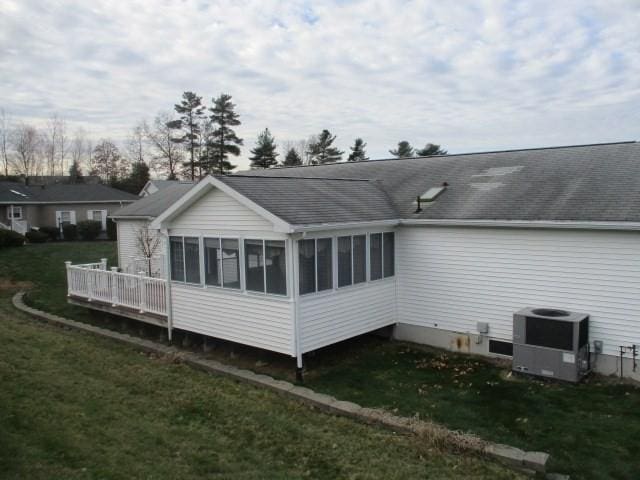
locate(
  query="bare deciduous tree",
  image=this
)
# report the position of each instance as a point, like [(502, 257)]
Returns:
[(167, 155), (302, 147), (27, 141), (4, 140), (136, 143), (148, 244)]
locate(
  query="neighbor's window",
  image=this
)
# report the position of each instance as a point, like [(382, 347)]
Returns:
[(212, 264), (15, 213), (230, 263), (177, 258), (375, 255), (352, 260)]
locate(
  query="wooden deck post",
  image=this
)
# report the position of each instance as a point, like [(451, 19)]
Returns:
[(89, 274), (67, 264), (114, 286), (143, 292), (103, 264)]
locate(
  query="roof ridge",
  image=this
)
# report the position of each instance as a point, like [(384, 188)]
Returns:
[(486, 152), (297, 178)]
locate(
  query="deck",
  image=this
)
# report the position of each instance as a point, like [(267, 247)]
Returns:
[(139, 297)]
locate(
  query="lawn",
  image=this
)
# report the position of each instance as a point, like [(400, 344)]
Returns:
[(592, 430), (77, 406)]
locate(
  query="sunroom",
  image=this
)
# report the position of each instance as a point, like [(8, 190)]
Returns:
[(241, 273)]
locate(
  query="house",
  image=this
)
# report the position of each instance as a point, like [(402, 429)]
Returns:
[(295, 259), (25, 206)]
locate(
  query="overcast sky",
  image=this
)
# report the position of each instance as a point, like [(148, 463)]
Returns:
[(474, 75)]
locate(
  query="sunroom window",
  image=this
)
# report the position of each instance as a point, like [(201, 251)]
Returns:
[(352, 260), (382, 255), (177, 259), (266, 266), (315, 258)]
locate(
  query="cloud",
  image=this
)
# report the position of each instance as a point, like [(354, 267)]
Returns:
[(468, 75)]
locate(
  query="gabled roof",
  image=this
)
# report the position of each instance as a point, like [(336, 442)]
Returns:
[(312, 201), (18, 193), (153, 205)]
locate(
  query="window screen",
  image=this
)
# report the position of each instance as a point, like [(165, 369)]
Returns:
[(549, 333), (375, 253), (359, 258), (254, 265), (344, 261), (192, 259), (307, 264), (212, 266), (177, 259), (230, 263), (276, 265), (389, 254), (325, 263)]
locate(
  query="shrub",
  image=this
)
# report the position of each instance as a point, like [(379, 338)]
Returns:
[(70, 232), (9, 238), (89, 229), (36, 236), (52, 232), (112, 230)]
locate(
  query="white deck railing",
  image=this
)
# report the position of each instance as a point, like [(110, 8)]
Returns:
[(92, 281)]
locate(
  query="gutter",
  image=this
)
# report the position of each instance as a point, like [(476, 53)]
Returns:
[(338, 226), (549, 224), (131, 217)]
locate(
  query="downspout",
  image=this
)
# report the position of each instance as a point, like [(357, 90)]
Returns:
[(167, 270), (295, 294)]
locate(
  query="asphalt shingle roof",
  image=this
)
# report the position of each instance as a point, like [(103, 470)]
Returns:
[(61, 193), (156, 203), (584, 183), (316, 200)]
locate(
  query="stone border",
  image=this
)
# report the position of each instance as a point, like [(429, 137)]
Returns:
[(530, 462)]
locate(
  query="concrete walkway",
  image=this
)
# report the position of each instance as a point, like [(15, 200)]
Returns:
[(529, 462)]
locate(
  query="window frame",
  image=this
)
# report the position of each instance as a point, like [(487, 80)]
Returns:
[(16, 208), (241, 263), (351, 238)]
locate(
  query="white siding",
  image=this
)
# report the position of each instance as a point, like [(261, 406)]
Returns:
[(128, 250), (258, 320), (450, 278), (217, 211), (327, 318)]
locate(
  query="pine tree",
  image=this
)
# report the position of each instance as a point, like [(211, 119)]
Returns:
[(223, 141), (321, 150), (292, 159), (404, 150), (75, 173), (430, 149), (190, 110), (358, 153), (264, 153)]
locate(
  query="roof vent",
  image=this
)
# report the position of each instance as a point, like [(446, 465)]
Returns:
[(430, 195)]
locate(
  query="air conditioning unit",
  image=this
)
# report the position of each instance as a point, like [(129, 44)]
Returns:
[(551, 343)]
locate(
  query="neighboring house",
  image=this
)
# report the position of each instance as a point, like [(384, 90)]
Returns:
[(23, 207), (295, 259), (133, 219)]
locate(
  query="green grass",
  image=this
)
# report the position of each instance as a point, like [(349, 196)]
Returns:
[(77, 406), (592, 430)]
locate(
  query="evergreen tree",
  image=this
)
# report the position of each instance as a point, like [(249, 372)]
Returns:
[(190, 110), (404, 150), (222, 141), (321, 150), (292, 159), (264, 153), (358, 153), (136, 180), (75, 173), (430, 149)]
